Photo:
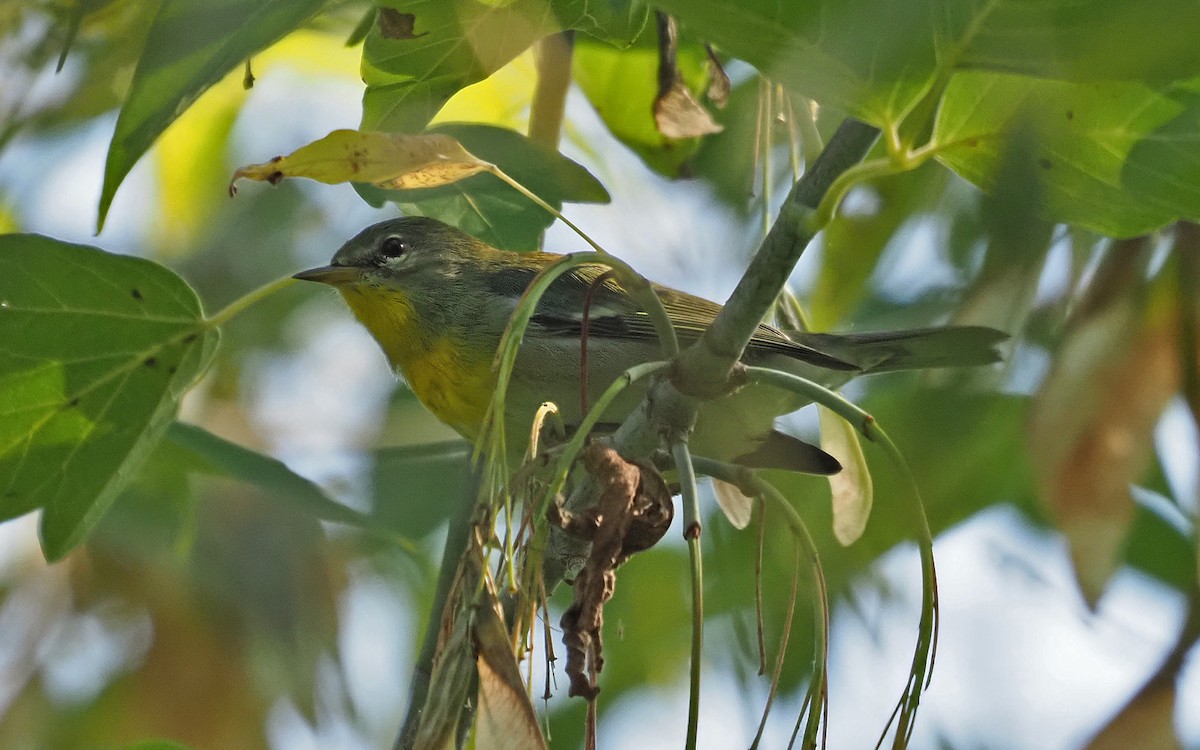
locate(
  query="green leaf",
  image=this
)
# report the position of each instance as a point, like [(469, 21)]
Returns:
[(486, 207), (1093, 40), (414, 487), (98, 350), (1162, 541), (192, 44), (215, 455), (875, 58), (1119, 158), (156, 745), (871, 58), (622, 85), (455, 43)]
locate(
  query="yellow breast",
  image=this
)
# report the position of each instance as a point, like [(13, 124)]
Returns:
[(453, 380), (455, 389)]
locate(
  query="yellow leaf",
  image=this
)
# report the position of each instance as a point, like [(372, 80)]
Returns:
[(386, 160), (853, 493)]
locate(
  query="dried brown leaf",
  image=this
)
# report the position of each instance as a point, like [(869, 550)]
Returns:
[(1091, 424), (678, 115), (632, 514)]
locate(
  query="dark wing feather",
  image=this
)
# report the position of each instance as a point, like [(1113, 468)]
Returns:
[(612, 313)]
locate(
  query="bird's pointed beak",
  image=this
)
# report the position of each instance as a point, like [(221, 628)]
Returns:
[(332, 275)]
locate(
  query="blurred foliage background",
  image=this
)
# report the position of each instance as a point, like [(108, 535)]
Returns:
[(211, 607)]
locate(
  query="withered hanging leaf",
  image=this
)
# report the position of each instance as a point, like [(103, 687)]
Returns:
[(1091, 424), (505, 719), (396, 25), (632, 514), (385, 160), (719, 86), (852, 490), (679, 115)]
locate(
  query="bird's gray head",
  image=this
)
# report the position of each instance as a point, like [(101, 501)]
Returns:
[(403, 242), (412, 250)]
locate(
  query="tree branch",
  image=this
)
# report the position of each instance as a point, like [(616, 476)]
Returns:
[(552, 56), (703, 370), (706, 365)]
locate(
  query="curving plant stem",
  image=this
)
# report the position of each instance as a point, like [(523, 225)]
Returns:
[(691, 532), (920, 671)]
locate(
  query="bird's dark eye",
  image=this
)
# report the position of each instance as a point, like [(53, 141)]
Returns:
[(392, 247)]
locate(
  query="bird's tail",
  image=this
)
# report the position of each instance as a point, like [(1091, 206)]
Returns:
[(914, 349)]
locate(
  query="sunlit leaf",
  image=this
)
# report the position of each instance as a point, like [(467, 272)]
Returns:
[(98, 349), (456, 43), (384, 160), (1120, 158), (502, 99), (191, 45)]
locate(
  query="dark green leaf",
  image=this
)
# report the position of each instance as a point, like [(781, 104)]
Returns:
[(1162, 541), (98, 350), (414, 487), (871, 58), (219, 456), (490, 209), (192, 45)]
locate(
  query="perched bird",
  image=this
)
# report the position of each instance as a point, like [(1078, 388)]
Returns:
[(437, 300)]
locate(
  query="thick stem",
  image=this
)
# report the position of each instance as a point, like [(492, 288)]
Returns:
[(552, 56), (458, 536), (707, 364), (703, 369)]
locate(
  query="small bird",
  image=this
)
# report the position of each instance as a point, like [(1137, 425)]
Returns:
[(437, 300)]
